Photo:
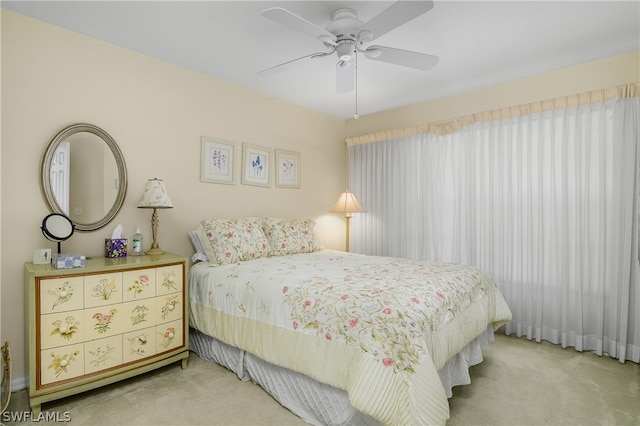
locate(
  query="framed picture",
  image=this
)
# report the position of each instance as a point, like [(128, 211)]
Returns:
[(217, 158), (287, 169), (256, 165)]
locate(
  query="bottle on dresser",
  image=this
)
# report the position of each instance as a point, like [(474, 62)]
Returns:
[(137, 244)]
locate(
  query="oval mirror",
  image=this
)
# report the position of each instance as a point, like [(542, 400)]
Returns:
[(83, 176)]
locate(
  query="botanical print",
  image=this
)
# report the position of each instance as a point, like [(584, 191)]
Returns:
[(169, 280), (287, 170), (138, 344), (169, 306), (216, 162), (219, 161), (167, 337), (103, 321), (140, 313), (62, 294), (101, 356), (60, 363), (257, 169), (139, 285), (104, 289), (256, 165), (65, 329)]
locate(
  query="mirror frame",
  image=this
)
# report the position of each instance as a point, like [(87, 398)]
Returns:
[(45, 174)]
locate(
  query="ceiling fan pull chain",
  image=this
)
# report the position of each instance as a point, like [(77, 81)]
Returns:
[(355, 58)]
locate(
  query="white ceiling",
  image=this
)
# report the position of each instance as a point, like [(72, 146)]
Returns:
[(480, 43)]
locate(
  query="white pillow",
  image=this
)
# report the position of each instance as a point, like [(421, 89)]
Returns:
[(200, 254)]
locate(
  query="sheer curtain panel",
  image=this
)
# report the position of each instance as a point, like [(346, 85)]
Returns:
[(544, 197)]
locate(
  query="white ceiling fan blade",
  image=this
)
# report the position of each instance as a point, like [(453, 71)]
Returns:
[(281, 67), (345, 77), (406, 58), (297, 23), (392, 17)]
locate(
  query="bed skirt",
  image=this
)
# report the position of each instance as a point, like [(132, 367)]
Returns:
[(315, 402)]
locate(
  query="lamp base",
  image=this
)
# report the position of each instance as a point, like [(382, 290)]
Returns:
[(153, 252), (155, 249)]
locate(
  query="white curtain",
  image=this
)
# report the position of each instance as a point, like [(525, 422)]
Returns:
[(545, 200)]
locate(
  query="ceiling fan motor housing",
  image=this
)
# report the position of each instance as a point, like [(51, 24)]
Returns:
[(344, 23)]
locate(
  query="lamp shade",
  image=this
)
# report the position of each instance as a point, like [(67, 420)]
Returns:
[(155, 196), (346, 204)]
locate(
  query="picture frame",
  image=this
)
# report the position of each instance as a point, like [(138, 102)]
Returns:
[(217, 161), (256, 165), (287, 169)]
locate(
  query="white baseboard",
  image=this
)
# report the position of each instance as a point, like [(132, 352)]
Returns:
[(19, 383)]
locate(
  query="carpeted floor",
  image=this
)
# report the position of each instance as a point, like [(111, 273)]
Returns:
[(518, 383)]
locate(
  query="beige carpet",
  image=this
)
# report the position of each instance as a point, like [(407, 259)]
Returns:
[(518, 383)]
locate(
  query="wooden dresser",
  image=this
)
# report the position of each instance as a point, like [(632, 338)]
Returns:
[(111, 320)]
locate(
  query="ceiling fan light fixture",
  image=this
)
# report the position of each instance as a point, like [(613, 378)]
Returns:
[(346, 51)]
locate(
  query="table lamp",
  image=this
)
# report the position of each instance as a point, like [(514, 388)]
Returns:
[(155, 197)]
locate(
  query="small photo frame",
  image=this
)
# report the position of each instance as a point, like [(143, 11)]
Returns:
[(217, 160), (287, 169), (256, 165)]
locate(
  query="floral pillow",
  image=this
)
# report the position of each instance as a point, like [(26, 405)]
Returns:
[(229, 241), (289, 236)]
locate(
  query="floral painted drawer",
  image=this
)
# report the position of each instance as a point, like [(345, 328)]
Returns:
[(112, 320), (102, 289), (139, 284), (61, 294)]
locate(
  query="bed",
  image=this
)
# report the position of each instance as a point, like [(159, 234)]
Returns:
[(336, 337)]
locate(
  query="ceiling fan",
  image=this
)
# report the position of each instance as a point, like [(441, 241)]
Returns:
[(346, 35)]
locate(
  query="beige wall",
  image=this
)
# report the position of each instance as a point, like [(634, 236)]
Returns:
[(156, 112), (595, 75)]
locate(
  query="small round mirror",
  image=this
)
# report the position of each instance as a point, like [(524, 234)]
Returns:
[(57, 227)]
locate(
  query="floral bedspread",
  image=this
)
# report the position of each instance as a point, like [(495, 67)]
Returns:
[(372, 321)]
